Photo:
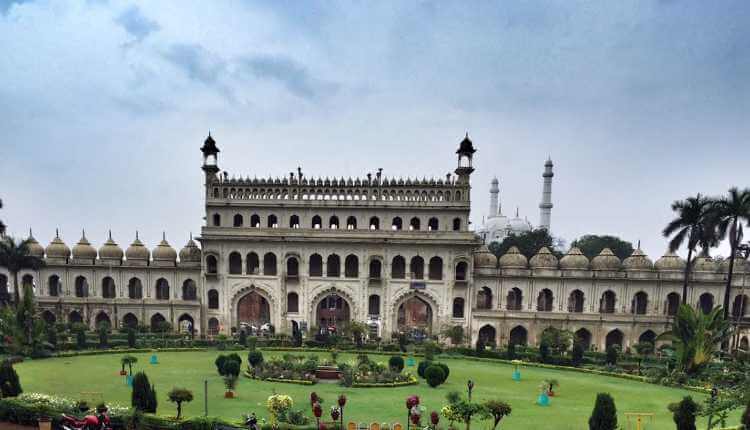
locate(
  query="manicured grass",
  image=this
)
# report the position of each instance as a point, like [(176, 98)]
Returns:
[(570, 409)]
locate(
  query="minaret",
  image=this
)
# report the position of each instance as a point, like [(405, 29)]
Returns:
[(545, 207), (494, 198), (210, 159), (465, 154)]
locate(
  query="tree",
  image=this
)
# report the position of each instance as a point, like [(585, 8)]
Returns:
[(592, 244), (695, 336), (611, 355), (577, 354), (496, 410), (558, 340), (129, 360), (396, 363), (180, 395), (528, 243), (143, 397), (455, 333), (255, 358), (15, 257), (103, 331), (434, 375), (604, 415), (358, 330), (692, 226), (10, 385), (730, 213), (684, 412)]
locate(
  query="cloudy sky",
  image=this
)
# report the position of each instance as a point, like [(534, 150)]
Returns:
[(104, 104)]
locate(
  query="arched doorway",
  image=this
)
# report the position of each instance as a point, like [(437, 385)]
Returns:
[(414, 317), (583, 338), (253, 311), (213, 326), (332, 311), (648, 336), (186, 324), (157, 322), (706, 302), (613, 338), (130, 321), (75, 317), (744, 344), (102, 318), (48, 317), (518, 336), (487, 335)]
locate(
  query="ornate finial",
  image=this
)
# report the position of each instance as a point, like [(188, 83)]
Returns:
[(110, 234), (191, 235), (164, 235), (209, 132), (516, 211), (639, 244), (83, 233), (30, 234), (136, 235), (467, 134), (57, 233)]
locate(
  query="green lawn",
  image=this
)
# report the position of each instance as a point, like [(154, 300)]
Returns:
[(570, 409)]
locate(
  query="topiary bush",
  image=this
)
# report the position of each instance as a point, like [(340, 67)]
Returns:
[(604, 415), (611, 355), (422, 366), (434, 375), (143, 397), (544, 352), (683, 413), (243, 338), (396, 363), (577, 354), (255, 358), (220, 362), (10, 386), (446, 370), (231, 368), (131, 338)]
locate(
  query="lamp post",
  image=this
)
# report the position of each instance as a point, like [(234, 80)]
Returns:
[(470, 386)]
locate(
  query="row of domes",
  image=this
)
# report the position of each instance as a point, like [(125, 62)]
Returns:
[(110, 251), (606, 260)]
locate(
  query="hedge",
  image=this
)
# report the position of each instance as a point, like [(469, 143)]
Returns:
[(288, 381), (412, 381)]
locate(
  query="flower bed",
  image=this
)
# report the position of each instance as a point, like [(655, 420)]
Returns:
[(298, 369), (364, 372), (412, 380)]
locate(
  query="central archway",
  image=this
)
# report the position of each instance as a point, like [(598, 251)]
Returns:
[(332, 311), (414, 314), (253, 310)]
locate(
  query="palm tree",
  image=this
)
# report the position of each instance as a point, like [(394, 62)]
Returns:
[(15, 257), (692, 224), (695, 336), (730, 212)]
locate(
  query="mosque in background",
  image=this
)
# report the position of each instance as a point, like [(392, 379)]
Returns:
[(306, 254)]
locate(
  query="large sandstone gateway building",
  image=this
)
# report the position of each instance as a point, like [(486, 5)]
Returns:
[(308, 254)]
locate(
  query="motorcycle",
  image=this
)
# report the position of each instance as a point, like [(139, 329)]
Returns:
[(89, 422)]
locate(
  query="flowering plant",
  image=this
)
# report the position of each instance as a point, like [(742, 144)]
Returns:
[(412, 401), (278, 404), (335, 413)]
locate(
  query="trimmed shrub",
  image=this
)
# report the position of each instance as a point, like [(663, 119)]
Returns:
[(235, 357), (544, 352), (434, 375), (423, 365), (10, 386), (243, 338), (683, 413), (604, 415), (178, 396), (231, 368), (611, 355), (131, 338), (511, 353), (446, 370), (577, 354), (220, 361), (143, 397), (254, 357), (396, 363)]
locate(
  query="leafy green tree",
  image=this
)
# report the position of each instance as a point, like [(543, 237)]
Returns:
[(357, 330), (696, 336), (558, 340), (544, 351), (604, 415), (611, 355), (396, 363), (2, 225), (129, 360), (528, 243), (15, 256), (496, 410), (455, 333), (143, 397), (592, 244), (684, 412), (730, 213), (434, 375), (577, 354), (179, 396), (692, 226), (465, 410), (103, 330), (10, 385)]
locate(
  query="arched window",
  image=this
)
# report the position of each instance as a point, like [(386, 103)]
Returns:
[(213, 326), (162, 289), (294, 221), (81, 287), (374, 223), (375, 269), (673, 302), (316, 265), (416, 267), (130, 320), (189, 291), (211, 264), (435, 270), (351, 223), (333, 266), (217, 220), (235, 263), (269, 264), (432, 224), (53, 286), (514, 301), (333, 223), (317, 222), (292, 303), (255, 221), (351, 266), (484, 298), (273, 222), (158, 323), (456, 224), (458, 307), (544, 301), (75, 317), (292, 267), (706, 302), (373, 305), (396, 224), (583, 337), (648, 336), (607, 303), (518, 336), (237, 221), (575, 301), (213, 299), (739, 306), (639, 306), (27, 281), (49, 318), (461, 269), (398, 267), (135, 289), (108, 288), (253, 264), (414, 224)]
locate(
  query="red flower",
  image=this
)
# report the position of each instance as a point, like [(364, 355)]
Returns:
[(314, 398), (334, 414), (412, 401), (415, 419), (434, 418), (342, 400), (317, 410)]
